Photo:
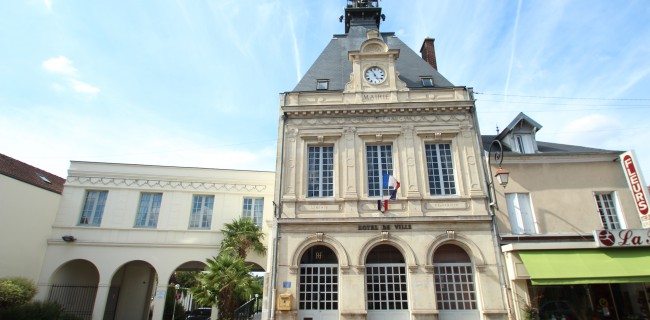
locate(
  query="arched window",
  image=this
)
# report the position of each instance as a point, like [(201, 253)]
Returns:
[(386, 279), (318, 290), (454, 281)]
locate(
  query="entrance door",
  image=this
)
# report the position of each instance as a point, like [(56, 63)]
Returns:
[(318, 290), (386, 289), (454, 283)]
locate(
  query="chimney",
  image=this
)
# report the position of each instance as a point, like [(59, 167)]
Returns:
[(428, 52)]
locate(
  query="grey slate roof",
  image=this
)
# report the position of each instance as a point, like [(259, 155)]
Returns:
[(550, 148), (333, 63)]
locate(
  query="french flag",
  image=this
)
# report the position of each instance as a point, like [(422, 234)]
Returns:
[(388, 183)]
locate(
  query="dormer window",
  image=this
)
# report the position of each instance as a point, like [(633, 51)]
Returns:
[(322, 84), (427, 81), (523, 143)]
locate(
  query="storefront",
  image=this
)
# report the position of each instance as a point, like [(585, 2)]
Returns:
[(588, 283), (580, 278)]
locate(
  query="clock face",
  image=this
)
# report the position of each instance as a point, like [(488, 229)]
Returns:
[(375, 75)]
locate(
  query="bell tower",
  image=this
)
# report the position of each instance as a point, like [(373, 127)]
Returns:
[(362, 13)]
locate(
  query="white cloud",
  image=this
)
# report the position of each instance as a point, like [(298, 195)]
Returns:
[(59, 65), (591, 130), (63, 66), (83, 87), (48, 4)]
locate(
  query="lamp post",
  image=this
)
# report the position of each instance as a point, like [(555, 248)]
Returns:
[(501, 174), (502, 178), (176, 287)]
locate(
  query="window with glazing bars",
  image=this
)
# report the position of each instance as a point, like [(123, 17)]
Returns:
[(380, 160), (440, 169), (607, 210), (321, 172), (148, 210), (454, 283), (319, 288), (93, 210), (253, 208), (201, 217), (386, 287)]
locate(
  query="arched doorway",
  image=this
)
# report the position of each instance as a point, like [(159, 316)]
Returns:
[(74, 287), (454, 283), (318, 284), (131, 291), (386, 285)]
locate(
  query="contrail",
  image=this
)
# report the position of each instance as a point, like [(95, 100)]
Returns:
[(296, 51), (512, 50)]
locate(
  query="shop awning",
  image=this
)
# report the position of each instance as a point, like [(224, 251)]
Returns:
[(582, 266)]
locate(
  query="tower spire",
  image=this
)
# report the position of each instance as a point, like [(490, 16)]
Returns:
[(362, 12)]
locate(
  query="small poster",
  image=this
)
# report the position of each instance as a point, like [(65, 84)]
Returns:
[(286, 284)]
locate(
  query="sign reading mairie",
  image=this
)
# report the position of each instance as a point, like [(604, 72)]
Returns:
[(622, 238)]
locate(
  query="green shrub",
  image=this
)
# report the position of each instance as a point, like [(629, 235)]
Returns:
[(36, 311), (16, 291)]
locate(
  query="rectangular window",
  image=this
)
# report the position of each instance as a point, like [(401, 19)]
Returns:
[(148, 210), (380, 160), (321, 172), (440, 169), (253, 208), (322, 84), (520, 213), (427, 82), (520, 144), (201, 217), (93, 208), (607, 209)]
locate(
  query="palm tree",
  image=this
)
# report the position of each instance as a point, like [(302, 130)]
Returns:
[(226, 280), (243, 235)]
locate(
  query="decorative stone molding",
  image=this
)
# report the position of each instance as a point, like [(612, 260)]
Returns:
[(451, 234), (319, 236), (460, 240), (385, 235), (165, 184)]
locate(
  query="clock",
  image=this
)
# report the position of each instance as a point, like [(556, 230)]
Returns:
[(375, 75)]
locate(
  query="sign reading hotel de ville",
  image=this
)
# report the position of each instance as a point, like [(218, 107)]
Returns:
[(622, 238), (637, 186)]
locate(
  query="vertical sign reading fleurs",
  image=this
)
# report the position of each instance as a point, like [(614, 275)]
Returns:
[(637, 186)]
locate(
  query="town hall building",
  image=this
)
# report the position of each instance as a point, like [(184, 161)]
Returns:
[(382, 209)]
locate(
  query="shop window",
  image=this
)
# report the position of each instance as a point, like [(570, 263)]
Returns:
[(522, 219)]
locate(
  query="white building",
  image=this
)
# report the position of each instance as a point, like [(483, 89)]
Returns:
[(122, 230), (29, 198)]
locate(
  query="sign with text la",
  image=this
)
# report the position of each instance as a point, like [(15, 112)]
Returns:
[(637, 186), (622, 238)]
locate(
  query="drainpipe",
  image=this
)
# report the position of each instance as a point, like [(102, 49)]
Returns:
[(274, 272), (496, 239)]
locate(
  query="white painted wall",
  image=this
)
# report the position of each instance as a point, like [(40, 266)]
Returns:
[(27, 213)]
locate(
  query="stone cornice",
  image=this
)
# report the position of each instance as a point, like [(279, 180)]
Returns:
[(449, 119), (165, 184)]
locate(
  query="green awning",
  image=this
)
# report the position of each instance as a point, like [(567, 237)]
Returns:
[(582, 266)]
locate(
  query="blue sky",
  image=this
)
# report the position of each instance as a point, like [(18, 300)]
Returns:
[(197, 82)]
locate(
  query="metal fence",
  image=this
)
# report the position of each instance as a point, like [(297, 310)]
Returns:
[(247, 310), (76, 300)]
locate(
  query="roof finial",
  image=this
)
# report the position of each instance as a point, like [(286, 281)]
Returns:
[(497, 129)]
